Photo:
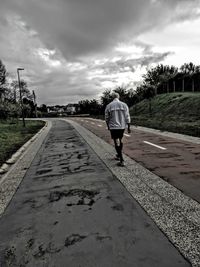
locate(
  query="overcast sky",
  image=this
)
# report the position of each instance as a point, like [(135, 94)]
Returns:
[(75, 49)]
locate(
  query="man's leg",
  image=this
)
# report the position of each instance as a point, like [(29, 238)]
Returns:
[(117, 149), (120, 149)]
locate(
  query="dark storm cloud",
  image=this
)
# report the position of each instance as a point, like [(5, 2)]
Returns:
[(81, 27), (59, 41)]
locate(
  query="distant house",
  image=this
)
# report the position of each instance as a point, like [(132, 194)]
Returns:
[(51, 109), (72, 109), (60, 111), (57, 110)]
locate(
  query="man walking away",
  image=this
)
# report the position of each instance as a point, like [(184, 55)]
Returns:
[(117, 118)]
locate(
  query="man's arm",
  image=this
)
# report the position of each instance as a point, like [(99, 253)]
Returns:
[(128, 119), (107, 117)]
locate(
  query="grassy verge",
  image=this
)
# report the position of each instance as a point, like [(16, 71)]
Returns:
[(176, 126), (14, 135), (174, 112)]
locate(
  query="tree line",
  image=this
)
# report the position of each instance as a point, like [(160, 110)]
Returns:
[(10, 104), (157, 80)]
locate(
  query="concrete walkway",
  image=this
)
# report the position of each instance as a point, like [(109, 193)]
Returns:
[(71, 210)]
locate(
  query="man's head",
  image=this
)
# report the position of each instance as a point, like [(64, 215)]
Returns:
[(115, 95)]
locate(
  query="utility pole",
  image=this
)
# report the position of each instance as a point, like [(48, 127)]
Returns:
[(35, 105), (20, 93)]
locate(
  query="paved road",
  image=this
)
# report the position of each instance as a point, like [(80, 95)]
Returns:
[(174, 160), (71, 211)]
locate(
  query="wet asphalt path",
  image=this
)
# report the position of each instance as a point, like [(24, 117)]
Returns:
[(71, 211)]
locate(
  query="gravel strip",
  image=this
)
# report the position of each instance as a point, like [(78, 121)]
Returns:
[(177, 215), (10, 181)]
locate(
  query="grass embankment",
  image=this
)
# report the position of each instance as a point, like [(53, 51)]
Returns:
[(14, 135), (174, 112)]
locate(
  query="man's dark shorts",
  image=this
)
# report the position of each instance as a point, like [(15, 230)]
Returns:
[(117, 133)]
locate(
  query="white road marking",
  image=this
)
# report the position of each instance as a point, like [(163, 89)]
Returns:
[(99, 125), (149, 143), (128, 135)]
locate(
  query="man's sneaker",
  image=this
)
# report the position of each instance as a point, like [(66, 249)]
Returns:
[(121, 164)]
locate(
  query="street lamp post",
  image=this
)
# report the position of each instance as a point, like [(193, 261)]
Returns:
[(35, 105), (20, 93)]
